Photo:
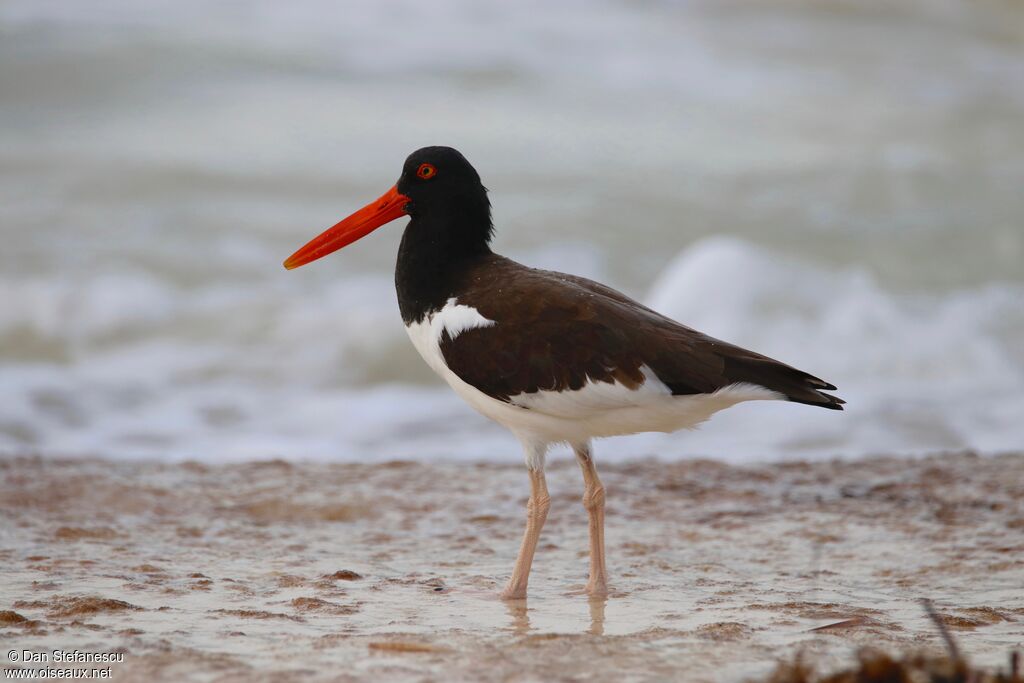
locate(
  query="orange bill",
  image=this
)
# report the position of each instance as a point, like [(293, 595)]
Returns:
[(360, 224)]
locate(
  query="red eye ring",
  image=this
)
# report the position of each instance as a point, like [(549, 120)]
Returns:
[(426, 171)]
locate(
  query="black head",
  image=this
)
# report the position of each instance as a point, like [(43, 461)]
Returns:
[(442, 193), (441, 184)]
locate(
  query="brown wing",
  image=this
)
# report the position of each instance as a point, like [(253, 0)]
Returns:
[(554, 331)]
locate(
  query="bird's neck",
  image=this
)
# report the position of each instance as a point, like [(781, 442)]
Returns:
[(436, 251)]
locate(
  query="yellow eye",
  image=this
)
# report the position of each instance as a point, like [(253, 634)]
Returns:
[(426, 171)]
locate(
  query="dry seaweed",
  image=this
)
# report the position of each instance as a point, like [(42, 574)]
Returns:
[(874, 666)]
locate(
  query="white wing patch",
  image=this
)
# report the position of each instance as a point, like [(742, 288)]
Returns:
[(594, 397), (454, 319), (609, 409)]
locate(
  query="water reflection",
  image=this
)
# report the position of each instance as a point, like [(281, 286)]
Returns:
[(597, 606), (519, 613), (518, 610)]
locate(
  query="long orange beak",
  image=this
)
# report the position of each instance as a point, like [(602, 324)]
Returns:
[(358, 225)]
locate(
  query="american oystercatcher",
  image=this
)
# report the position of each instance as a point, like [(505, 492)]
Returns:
[(552, 357)]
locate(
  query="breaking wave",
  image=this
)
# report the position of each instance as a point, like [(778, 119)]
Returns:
[(132, 365)]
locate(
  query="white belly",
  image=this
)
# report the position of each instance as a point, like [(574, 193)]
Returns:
[(595, 410)]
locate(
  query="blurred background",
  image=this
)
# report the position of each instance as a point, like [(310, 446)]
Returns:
[(838, 184)]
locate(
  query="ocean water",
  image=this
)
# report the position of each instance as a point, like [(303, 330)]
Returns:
[(836, 184)]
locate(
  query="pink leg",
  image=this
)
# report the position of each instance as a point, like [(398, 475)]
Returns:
[(536, 513), (593, 501)]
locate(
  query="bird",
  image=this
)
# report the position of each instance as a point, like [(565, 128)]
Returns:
[(553, 357)]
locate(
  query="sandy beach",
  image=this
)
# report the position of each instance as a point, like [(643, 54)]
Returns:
[(198, 474), (275, 570)]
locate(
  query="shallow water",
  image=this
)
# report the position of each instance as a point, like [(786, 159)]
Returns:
[(159, 160), (268, 570)]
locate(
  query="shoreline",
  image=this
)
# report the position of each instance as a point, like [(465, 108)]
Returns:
[(263, 570)]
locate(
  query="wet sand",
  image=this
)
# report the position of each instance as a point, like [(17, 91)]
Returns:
[(271, 571)]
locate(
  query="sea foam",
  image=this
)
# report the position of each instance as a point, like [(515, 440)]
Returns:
[(134, 366)]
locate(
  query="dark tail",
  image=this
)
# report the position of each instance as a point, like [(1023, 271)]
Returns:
[(796, 385)]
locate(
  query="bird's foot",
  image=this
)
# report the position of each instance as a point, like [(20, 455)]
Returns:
[(512, 592), (593, 590)]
